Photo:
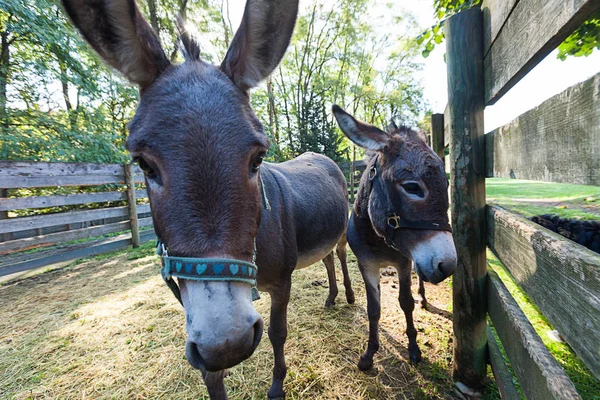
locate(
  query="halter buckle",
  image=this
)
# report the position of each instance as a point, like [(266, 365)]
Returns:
[(396, 221)]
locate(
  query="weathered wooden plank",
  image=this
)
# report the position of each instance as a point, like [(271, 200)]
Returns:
[(558, 141), (447, 132), (437, 134), (19, 203), (62, 237), (532, 31), (41, 221), (131, 203), (85, 250), (143, 208), (141, 194), (495, 14), (502, 375), (561, 277), (26, 168), (145, 222), (345, 166), (464, 57), (539, 374), (10, 182)]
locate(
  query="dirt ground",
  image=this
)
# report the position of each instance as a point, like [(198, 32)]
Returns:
[(109, 328)]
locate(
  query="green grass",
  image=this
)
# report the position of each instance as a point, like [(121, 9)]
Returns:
[(531, 198)]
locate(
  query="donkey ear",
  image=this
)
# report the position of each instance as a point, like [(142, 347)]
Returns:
[(260, 41), (121, 36), (364, 135)]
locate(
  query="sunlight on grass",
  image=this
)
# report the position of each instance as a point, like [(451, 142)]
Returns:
[(108, 327), (531, 198)]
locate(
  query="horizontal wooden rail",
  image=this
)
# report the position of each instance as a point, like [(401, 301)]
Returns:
[(532, 30), (558, 141), (62, 237), (43, 221), (42, 259), (18, 203), (495, 14), (561, 277), (71, 217), (539, 374), (13, 182), (25, 168), (358, 164), (502, 375)]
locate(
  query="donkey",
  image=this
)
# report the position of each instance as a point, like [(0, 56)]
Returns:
[(400, 214), (217, 210)]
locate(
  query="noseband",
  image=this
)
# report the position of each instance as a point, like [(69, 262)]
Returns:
[(209, 269), (394, 221)]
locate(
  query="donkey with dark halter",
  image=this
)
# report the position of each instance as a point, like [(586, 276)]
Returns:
[(400, 215), (226, 222)]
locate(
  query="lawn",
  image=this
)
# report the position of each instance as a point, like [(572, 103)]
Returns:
[(531, 198)]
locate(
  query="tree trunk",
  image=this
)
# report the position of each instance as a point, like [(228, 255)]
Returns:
[(153, 17), (4, 73)]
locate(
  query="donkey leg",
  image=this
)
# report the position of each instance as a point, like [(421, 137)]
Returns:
[(280, 298), (342, 254), (329, 262), (371, 278), (407, 303), (422, 293), (215, 385)]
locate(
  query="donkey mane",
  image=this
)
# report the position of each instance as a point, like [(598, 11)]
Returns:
[(188, 38)]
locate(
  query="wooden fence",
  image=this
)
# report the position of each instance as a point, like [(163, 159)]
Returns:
[(353, 171), (33, 241), (488, 51), (38, 240)]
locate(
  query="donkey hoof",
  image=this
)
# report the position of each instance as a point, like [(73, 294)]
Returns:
[(424, 304), (276, 395), (329, 303), (365, 363), (350, 298), (415, 356)]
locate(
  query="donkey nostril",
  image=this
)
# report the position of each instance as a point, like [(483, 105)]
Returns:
[(193, 355), (446, 268), (258, 331)]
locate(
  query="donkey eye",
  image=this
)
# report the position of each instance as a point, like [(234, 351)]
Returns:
[(413, 188), (257, 161), (148, 170)]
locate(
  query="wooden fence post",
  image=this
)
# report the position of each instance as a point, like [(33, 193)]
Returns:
[(437, 134), (464, 56), (352, 178), (133, 217)]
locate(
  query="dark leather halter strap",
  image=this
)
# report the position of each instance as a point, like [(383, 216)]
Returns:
[(393, 204)]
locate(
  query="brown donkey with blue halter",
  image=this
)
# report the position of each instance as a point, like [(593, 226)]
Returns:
[(217, 209), (400, 215)]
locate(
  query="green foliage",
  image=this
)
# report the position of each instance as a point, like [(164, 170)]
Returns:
[(443, 9), (582, 42), (59, 102)]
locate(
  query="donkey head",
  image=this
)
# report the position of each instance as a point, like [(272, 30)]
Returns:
[(200, 146), (415, 174)]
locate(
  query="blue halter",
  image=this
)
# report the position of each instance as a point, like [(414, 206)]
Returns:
[(209, 269)]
